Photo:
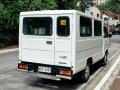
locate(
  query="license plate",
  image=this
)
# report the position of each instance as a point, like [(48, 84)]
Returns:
[(44, 69)]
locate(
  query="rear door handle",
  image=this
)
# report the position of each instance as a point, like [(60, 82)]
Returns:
[(48, 42)]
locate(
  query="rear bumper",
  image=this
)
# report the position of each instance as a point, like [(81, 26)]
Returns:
[(54, 75), (46, 76)]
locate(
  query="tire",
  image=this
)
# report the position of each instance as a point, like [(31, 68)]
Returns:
[(104, 60), (86, 73)]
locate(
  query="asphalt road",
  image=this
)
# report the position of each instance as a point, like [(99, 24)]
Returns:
[(11, 79)]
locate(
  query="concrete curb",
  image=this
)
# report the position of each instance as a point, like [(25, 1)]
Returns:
[(105, 78), (8, 50)]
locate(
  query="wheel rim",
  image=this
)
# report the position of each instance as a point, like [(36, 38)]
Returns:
[(87, 71)]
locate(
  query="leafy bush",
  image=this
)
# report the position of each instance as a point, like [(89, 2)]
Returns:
[(9, 15)]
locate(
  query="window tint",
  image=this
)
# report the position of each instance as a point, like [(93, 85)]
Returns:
[(41, 26), (85, 27), (63, 26), (97, 28), (105, 32)]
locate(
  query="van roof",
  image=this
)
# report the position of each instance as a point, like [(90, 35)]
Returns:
[(48, 12), (56, 12)]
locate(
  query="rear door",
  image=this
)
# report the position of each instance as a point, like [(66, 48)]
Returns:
[(38, 39), (63, 40)]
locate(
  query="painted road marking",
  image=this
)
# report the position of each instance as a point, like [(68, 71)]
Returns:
[(97, 72), (105, 78)]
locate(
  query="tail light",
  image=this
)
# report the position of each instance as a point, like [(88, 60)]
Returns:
[(22, 66), (66, 72)]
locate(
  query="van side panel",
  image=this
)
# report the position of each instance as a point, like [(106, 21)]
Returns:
[(87, 47), (79, 64)]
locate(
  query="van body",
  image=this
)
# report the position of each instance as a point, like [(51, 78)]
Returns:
[(57, 44)]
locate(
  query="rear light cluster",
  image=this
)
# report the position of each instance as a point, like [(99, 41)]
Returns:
[(66, 72), (22, 66)]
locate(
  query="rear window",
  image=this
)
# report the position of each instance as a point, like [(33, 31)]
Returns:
[(63, 26), (41, 26)]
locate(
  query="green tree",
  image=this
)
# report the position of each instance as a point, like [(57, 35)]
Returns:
[(9, 16), (66, 4), (48, 5), (10, 10), (84, 4), (111, 5), (72, 4)]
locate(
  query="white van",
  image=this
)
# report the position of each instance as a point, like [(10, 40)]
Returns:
[(58, 44)]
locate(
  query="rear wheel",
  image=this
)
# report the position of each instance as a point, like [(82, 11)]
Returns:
[(86, 73)]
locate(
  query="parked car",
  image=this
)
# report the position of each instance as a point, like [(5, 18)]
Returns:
[(116, 31)]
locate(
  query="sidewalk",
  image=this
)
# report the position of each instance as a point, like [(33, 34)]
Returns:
[(116, 84), (8, 50), (113, 82)]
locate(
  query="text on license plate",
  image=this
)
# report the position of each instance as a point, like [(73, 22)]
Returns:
[(44, 69)]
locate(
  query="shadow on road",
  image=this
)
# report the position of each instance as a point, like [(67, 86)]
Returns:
[(51, 84), (55, 85)]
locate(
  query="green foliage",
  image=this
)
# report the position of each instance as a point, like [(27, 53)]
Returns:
[(71, 4), (66, 4), (9, 16), (84, 4), (1, 8), (10, 10), (111, 5), (3, 40), (101, 8), (48, 5)]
